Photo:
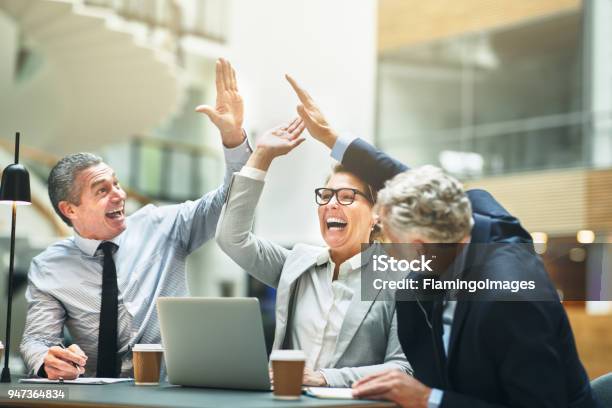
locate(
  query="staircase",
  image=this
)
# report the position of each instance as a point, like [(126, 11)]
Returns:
[(74, 78)]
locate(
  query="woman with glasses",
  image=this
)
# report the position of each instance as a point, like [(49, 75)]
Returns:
[(318, 299)]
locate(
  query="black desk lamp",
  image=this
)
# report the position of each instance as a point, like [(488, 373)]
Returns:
[(15, 190)]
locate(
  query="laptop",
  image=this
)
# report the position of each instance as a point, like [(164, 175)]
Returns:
[(214, 342)]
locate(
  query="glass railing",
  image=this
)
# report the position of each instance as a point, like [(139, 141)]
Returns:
[(171, 171), (539, 143)]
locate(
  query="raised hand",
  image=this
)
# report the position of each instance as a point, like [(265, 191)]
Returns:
[(276, 142), (228, 113), (313, 117)]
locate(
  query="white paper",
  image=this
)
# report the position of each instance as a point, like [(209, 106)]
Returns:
[(81, 380), (330, 393)]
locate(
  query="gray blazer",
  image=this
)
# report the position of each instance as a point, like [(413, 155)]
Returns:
[(367, 342)]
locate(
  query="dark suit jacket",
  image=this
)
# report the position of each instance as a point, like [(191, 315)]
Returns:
[(492, 221), (501, 354)]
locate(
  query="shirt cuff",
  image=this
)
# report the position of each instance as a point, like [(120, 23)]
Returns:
[(252, 172), (240, 153), (342, 143), (332, 377), (435, 398)]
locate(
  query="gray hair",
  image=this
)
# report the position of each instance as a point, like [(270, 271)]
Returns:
[(427, 201), (62, 180)]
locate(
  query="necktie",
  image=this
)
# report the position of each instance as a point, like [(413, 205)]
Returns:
[(108, 363)]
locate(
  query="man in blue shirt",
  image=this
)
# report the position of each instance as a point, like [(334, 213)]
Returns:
[(102, 283)]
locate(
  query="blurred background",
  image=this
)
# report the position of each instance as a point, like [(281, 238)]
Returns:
[(511, 96)]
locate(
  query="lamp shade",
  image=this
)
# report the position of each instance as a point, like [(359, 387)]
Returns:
[(15, 185)]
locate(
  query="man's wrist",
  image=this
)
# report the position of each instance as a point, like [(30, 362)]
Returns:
[(233, 138), (426, 400), (329, 139)]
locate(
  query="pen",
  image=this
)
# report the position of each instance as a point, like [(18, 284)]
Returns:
[(73, 363)]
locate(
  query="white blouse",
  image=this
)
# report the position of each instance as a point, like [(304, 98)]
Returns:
[(321, 306)]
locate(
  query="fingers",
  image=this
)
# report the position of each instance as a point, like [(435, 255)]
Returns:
[(234, 82), (77, 350), (54, 374), (207, 110), (271, 374), (219, 76), (305, 115), (302, 94), (56, 368), (68, 355), (297, 131), (378, 387), (384, 385), (296, 128), (295, 143), (371, 377), (226, 69), (291, 133), (293, 124)]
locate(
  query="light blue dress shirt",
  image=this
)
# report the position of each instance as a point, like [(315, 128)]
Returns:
[(65, 281)]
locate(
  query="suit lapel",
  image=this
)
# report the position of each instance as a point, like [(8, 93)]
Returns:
[(355, 314), (286, 292), (458, 320), (481, 232), (476, 258), (473, 258)]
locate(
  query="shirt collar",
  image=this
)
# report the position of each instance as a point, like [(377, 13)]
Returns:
[(323, 257), (90, 246), (456, 268), (353, 263), (355, 260)]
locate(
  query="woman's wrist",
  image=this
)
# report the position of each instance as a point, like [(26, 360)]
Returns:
[(260, 159)]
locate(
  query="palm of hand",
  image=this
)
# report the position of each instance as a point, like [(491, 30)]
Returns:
[(278, 140), (230, 111), (317, 117)]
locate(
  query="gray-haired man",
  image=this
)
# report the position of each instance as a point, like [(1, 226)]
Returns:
[(487, 349), (102, 282)]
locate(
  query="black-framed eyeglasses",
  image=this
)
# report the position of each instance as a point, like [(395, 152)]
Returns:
[(344, 196)]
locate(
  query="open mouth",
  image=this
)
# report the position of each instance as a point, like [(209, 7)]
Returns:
[(115, 214), (335, 223)]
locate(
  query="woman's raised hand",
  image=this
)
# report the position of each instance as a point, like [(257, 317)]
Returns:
[(276, 142)]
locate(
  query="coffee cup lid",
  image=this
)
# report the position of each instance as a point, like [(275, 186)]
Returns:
[(147, 347), (291, 355)]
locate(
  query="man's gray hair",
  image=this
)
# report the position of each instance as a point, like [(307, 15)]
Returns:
[(62, 178), (427, 201)]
